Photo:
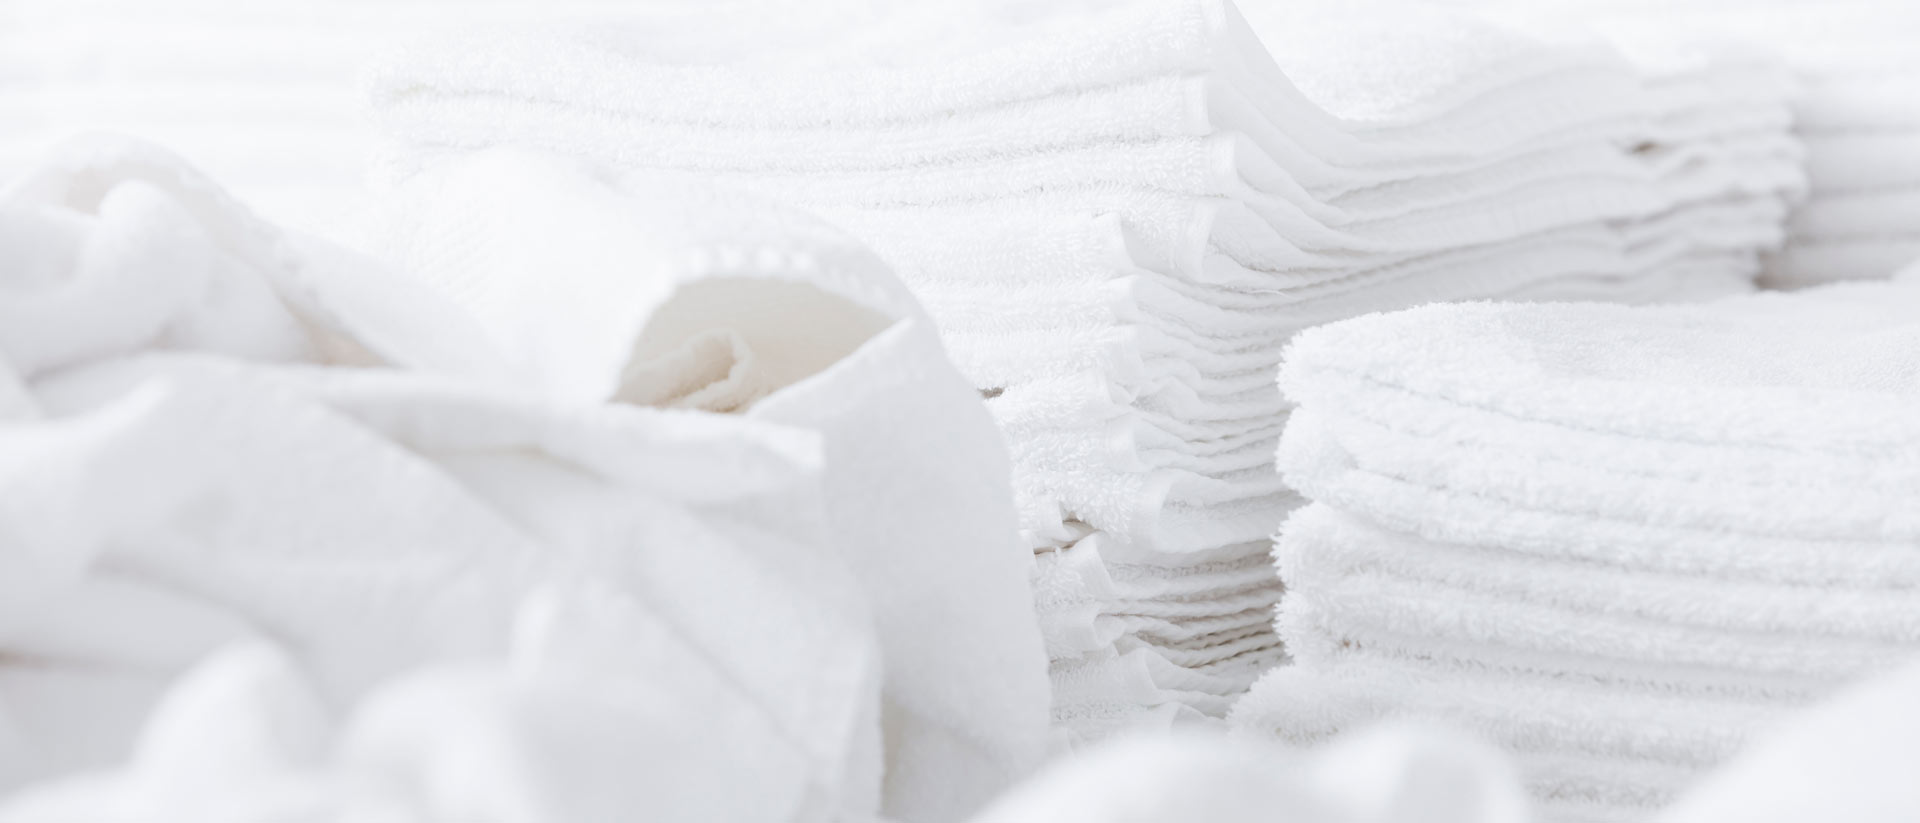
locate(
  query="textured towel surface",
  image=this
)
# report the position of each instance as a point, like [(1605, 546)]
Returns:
[(1116, 215), (658, 289), (1619, 542)]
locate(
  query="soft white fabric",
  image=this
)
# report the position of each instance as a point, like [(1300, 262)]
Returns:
[(297, 444), (1390, 774), (600, 708), (1855, 108), (1845, 759), (655, 289), (1619, 542), (1117, 212)]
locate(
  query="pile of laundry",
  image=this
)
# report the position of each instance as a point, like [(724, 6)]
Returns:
[(1117, 215), (282, 519), (1616, 541)]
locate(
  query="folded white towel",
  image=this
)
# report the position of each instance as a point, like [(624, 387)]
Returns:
[(1862, 162), (1718, 373), (1854, 107), (1606, 538), (1334, 546)]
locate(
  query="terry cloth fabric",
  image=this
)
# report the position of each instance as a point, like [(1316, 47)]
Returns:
[(222, 432), (1619, 542), (653, 288), (1117, 213)]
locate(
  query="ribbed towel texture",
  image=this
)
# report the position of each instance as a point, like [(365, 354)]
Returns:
[(1856, 112), (1116, 213), (1616, 541)]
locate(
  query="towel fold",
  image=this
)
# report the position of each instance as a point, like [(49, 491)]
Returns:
[(1619, 542)]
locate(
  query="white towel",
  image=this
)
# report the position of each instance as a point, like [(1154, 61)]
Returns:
[(1855, 109), (1604, 537), (1167, 198), (596, 681), (445, 501), (1396, 773), (1843, 759), (654, 289)]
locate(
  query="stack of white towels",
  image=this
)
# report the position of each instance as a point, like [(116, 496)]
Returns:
[(1117, 212), (1856, 111), (1616, 541)]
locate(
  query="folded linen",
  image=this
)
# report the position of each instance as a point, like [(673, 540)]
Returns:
[(1854, 108), (1606, 538), (1170, 191)]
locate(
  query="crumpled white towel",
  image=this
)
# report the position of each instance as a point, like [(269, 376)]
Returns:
[(365, 490), (600, 709), (1407, 774), (657, 289)]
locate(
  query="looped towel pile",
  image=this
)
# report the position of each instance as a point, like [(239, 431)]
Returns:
[(1617, 541)]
